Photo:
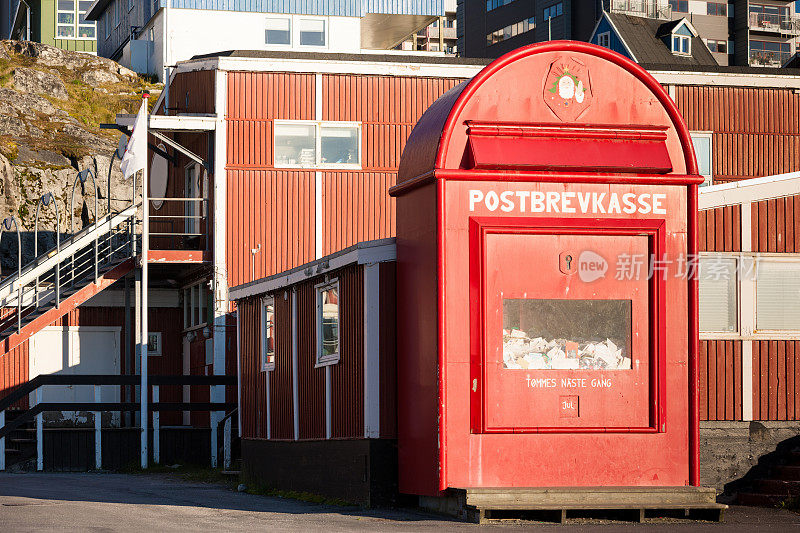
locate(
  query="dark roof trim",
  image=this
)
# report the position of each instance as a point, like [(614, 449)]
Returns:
[(719, 69), (328, 56)]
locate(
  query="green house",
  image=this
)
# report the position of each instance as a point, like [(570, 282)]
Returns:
[(59, 23)]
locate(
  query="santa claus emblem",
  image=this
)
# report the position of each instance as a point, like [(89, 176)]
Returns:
[(567, 89)]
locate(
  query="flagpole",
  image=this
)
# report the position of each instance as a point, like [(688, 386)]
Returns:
[(144, 308)]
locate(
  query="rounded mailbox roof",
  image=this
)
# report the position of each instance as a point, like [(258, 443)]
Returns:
[(556, 107)]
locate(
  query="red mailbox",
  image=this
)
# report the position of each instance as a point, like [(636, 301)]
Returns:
[(547, 327)]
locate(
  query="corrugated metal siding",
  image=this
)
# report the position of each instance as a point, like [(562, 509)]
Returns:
[(388, 349), (356, 207), (720, 229), (776, 380), (280, 379), (274, 209), (720, 380), (252, 379), (774, 225), (347, 376), (756, 131), (311, 381), (340, 8)]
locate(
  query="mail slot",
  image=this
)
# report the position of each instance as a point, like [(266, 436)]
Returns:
[(547, 326)]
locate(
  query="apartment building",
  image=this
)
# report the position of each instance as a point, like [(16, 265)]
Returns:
[(761, 33), (439, 36), (148, 35), (59, 23)]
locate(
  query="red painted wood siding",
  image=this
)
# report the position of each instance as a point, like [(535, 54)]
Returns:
[(720, 229), (310, 380), (356, 205), (253, 383), (756, 131), (776, 380), (775, 225), (280, 379), (720, 380)]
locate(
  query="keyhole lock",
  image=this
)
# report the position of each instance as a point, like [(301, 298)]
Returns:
[(565, 263)]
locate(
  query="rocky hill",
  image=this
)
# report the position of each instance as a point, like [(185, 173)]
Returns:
[(52, 102)]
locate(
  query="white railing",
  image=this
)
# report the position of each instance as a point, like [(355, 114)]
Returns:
[(643, 8)]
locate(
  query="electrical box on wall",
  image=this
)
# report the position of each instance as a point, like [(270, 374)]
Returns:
[(547, 334)]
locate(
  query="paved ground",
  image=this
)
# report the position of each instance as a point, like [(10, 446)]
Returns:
[(144, 503)]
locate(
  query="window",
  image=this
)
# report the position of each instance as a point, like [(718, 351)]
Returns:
[(449, 23), (317, 144), (278, 31), (107, 18), (328, 323), (115, 8), (195, 305), (71, 20), (312, 32), (715, 8), (512, 30), (131, 3), (718, 294), (778, 296), (702, 148), (679, 6), (720, 47), (604, 39), (494, 4), (769, 52), (544, 335), (681, 44), (268, 334), (553, 11)]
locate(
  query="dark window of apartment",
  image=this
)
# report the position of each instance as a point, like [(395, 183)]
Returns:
[(494, 4), (553, 11), (512, 30), (679, 6), (720, 47), (715, 8)]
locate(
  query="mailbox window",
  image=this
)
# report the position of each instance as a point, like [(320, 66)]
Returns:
[(566, 334)]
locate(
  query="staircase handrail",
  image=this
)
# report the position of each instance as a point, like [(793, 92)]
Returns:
[(46, 200), (107, 379), (46, 261)]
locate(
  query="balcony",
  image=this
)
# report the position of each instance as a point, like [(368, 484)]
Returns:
[(643, 8), (768, 58), (773, 23)]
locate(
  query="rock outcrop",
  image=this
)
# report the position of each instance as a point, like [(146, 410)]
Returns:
[(51, 104)]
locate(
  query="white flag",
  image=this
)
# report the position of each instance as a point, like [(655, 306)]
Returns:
[(135, 156)]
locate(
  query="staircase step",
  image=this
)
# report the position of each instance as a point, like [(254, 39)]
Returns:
[(761, 500), (777, 486), (22, 441), (786, 472)]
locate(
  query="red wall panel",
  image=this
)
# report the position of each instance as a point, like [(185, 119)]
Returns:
[(720, 380), (311, 381), (388, 349), (280, 380), (347, 376), (720, 229), (776, 380), (774, 225), (756, 131)]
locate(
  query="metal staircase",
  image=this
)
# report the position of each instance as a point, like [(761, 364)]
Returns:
[(60, 279)]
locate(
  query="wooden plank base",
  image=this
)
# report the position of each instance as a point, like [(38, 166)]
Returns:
[(556, 504)]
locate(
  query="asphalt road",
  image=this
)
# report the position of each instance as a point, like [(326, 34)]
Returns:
[(144, 503)]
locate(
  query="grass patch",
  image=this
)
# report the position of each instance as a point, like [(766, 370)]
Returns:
[(191, 473)]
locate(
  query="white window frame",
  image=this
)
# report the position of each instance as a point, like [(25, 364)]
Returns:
[(266, 364), (792, 334), (270, 46), (296, 22), (682, 39), (318, 124), (710, 136), (605, 36), (738, 284), (195, 297), (319, 360), (76, 26)]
